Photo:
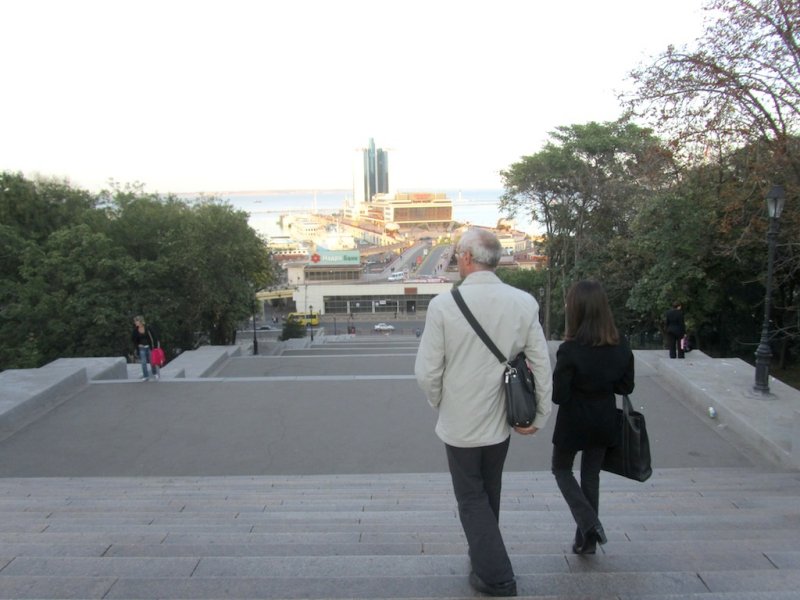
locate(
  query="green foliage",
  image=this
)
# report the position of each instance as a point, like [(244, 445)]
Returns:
[(78, 268), (530, 281), (292, 329), (584, 187), (37, 209), (685, 220), (728, 104)]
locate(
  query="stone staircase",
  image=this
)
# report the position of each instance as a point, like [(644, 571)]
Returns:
[(705, 534)]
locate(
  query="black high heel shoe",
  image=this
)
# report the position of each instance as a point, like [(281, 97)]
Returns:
[(587, 544), (584, 545)]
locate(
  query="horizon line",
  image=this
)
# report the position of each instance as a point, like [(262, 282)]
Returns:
[(419, 190)]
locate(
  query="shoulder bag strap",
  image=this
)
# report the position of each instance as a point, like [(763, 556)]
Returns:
[(477, 326)]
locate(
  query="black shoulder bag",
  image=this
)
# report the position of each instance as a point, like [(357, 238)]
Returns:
[(517, 378), (631, 456)]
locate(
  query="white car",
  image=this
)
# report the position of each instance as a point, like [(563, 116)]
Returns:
[(384, 327)]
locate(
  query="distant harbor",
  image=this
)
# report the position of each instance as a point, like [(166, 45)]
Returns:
[(478, 207)]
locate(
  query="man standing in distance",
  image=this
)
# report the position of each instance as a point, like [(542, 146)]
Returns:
[(675, 327), (462, 380)]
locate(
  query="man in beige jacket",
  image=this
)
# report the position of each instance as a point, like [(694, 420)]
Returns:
[(462, 380)]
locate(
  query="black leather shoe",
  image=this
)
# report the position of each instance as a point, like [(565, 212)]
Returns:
[(587, 545), (505, 589)]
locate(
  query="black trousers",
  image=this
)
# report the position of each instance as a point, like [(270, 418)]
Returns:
[(583, 499), (674, 345), (477, 481)]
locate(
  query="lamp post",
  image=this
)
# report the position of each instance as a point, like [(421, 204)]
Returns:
[(310, 326), (775, 201), (255, 338), (541, 305)]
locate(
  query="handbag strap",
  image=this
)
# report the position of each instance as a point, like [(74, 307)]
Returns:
[(477, 326), (627, 406)]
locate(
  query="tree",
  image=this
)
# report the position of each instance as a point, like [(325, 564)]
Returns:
[(732, 102), (76, 268), (740, 84), (35, 209), (202, 264), (292, 329), (231, 264), (584, 186), (72, 297)]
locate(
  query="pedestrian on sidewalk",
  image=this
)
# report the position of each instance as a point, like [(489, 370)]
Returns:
[(592, 365), (462, 381), (675, 328), (145, 339)]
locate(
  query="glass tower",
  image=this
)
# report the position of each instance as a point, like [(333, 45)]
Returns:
[(376, 171)]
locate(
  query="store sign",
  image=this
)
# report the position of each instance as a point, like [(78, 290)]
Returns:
[(340, 257)]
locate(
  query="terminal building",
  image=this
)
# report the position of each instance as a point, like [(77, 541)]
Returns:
[(330, 283), (407, 210)]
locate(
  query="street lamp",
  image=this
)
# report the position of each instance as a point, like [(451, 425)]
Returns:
[(310, 326), (775, 201), (255, 338), (541, 305)]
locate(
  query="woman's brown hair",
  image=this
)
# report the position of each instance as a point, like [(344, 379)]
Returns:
[(589, 318)]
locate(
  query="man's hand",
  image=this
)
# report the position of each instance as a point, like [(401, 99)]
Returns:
[(526, 430)]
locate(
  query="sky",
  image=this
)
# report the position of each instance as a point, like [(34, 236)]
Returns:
[(244, 95)]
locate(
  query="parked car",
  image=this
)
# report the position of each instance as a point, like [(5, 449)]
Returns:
[(384, 327)]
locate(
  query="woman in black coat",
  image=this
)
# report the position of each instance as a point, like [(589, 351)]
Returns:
[(592, 365)]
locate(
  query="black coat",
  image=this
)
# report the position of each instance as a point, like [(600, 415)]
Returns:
[(148, 338), (675, 325), (585, 381)]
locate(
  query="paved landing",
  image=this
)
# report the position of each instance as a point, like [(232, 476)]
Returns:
[(317, 423)]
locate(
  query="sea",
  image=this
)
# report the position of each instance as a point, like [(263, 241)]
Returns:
[(477, 207)]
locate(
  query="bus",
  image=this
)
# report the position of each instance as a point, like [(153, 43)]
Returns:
[(304, 318)]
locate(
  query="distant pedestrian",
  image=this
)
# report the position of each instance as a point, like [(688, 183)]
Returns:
[(675, 328), (144, 339), (462, 381), (592, 365)]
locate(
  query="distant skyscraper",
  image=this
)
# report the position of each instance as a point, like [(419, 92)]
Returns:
[(376, 171)]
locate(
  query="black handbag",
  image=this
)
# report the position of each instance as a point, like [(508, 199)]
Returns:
[(630, 458), (517, 377)]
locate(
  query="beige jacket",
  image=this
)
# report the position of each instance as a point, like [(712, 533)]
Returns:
[(461, 377)]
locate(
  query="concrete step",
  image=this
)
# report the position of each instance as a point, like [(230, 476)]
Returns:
[(686, 533)]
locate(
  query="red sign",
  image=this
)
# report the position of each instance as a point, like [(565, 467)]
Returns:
[(315, 258)]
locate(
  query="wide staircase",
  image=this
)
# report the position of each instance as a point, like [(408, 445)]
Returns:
[(704, 533)]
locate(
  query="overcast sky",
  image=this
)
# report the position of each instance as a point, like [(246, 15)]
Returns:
[(205, 96)]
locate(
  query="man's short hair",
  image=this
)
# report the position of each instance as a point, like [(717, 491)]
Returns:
[(483, 246)]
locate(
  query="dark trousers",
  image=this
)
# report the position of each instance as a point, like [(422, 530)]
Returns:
[(477, 481), (674, 345), (583, 499)]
